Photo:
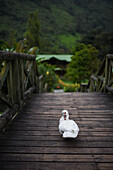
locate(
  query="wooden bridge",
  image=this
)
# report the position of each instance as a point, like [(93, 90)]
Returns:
[(32, 141)]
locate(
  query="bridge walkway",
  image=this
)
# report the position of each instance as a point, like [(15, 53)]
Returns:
[(32, 140)]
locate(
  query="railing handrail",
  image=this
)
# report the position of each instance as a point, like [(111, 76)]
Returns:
[(109, 56), (4, 55)]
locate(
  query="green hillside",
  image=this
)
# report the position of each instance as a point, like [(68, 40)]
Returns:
[(62, 22)]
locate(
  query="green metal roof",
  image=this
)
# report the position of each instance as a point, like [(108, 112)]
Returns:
[(43, 57)]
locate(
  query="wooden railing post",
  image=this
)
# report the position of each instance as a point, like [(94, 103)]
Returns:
[(98, 82), (109, 72), (91, 86), (16, 82), (10, 83), (21, 72), (106, 74), (36, 78), (40, 83)]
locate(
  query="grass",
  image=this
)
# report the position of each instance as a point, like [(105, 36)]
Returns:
[(68, 82), (69, 40)]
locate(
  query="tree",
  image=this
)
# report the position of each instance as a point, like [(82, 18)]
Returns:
[(12, 39), (103, 41), (32, 33), (84, 62)]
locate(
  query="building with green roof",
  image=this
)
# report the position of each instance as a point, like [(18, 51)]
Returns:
[(60, 61), (61, 57)]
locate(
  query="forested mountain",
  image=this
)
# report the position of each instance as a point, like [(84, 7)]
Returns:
[(62, 22)]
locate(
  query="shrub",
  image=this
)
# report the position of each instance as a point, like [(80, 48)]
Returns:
[(69, 87), (49, 76)]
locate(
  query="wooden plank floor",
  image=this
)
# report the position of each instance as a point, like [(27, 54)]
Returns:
[(32, 140)]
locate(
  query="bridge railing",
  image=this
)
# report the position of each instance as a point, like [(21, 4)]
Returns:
[(18, 79), (103, 81)]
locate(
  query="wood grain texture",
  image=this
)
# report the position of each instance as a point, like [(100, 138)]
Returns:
[(32, 140)]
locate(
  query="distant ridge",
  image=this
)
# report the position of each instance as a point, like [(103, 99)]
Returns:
[(62, 21)]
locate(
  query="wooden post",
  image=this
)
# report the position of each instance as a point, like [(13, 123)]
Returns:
[(21, 74), (16, 83), (10, 84), (91, 85), (109, 72), (106, 74), (36, 81), (97, 85)]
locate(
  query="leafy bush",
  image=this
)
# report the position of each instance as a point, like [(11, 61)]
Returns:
[(49, 76), (58, 86), (69, 87)]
